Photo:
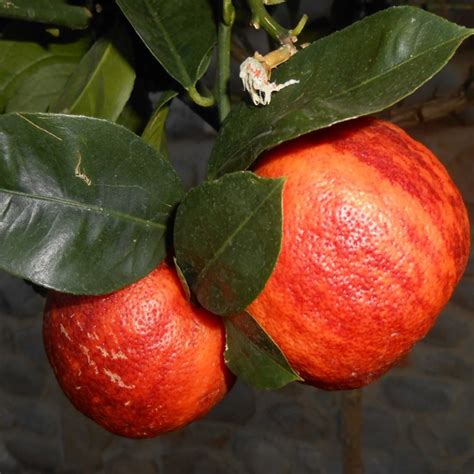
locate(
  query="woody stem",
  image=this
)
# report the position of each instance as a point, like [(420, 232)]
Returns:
[(351, 431)]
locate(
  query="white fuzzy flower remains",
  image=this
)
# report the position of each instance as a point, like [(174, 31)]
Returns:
[(256, 80)]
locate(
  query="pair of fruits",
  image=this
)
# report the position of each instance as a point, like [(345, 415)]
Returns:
[(375, 238)]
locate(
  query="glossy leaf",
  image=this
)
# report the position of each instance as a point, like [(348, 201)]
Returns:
[(102, 82), (227, 239), (154, 133), (32, 74), (179, 33), (253, 356), (56, 12), (357, 71), (84, 204)]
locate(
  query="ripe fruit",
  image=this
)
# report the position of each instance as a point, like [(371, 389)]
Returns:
[(140, 361), (375, 238)]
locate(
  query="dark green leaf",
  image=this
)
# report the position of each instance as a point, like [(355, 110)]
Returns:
[(227, 239), (84, 204), (102, 82), (253, 356), (180, 34), (154, 133), (32, 74), (357, 71), (56, 12), (131, 118)]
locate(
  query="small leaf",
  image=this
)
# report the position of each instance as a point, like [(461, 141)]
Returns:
[(227, 238), (154, 133), (253, 356), (182, 280), (55, 12), (360, 70), (84, 203), (102, 82), (33, 73), (131, 118), (179, 33)]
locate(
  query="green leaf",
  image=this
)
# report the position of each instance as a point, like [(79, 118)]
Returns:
[(154, 133), (227, 239), (33, 73), (357, 71), (56, 12), (131, 118), (253, 356), (179, 33), (37, 90), (84, 203), (102, 82)]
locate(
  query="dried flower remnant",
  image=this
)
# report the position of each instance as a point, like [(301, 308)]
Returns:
[(255, 73)]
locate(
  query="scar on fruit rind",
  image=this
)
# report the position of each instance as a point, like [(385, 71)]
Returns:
[(255, 73)]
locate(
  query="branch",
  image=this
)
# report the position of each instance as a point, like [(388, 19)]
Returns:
[(427, 111), (42, 12), (351, 433), (223, 58)]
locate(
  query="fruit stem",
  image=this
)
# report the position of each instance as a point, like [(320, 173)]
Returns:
[(351, 431), (261, 18), (223, 58)]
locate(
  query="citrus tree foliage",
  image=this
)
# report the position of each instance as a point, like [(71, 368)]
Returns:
[(89, 201)]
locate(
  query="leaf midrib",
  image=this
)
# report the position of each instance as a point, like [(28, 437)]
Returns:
[(366, 82), (86, 207), (173, 51), (222, 248), (92, 76), (58, 58)]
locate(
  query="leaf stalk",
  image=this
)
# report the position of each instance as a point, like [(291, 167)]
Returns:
[(203, 101)]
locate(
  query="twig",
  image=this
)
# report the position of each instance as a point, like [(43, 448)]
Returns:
[(261, 18), (223, 58), (74, 17), (351, 432), (427, 111)]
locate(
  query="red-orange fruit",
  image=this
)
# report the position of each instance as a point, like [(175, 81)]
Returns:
[(140, 361), (375, 238)]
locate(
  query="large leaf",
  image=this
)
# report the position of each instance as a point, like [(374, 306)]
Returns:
[(154, 133), (102, 82), (179, 33), (84, 204), (253, 356), (37, 90), (47, 11), (357, 71), (33, 73), (227, 239)]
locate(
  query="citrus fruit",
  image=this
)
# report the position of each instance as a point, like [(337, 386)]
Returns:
[(375, 238), (140, 361)]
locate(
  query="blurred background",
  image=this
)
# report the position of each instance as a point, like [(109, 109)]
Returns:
[(418, 419)]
